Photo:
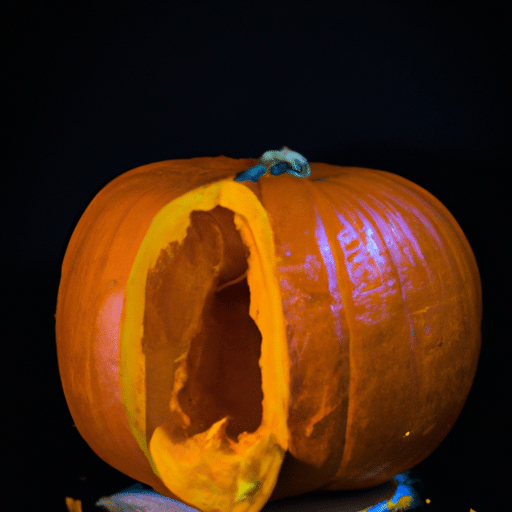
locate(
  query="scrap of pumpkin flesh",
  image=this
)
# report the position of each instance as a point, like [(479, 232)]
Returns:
[(215, 439)]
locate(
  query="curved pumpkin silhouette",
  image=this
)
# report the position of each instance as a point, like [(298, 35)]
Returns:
[(209, 329)]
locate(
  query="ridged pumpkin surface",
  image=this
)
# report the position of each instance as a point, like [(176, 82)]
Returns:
[(208, 330)]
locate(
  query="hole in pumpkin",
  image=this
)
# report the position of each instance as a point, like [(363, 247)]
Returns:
[(224, 377), (197, 293)]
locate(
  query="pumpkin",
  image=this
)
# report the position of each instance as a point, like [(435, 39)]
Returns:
[(228, 342)]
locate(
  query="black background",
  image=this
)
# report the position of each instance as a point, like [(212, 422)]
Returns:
[(92, 90)]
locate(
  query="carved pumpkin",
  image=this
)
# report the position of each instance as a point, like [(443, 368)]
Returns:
[(208, 329)]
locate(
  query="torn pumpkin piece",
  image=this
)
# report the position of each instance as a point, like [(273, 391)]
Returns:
[(205, 353)]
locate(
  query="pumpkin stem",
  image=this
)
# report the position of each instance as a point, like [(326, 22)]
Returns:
[(277, 162)]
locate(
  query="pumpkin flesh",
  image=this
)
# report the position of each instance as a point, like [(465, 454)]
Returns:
[(203, 379)]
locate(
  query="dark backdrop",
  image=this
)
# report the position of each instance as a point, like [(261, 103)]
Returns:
[(417, 88)]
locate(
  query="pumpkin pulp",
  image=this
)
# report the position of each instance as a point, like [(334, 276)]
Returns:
[(203, 348)]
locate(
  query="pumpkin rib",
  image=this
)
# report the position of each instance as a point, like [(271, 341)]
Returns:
[(392, 208), (392, 258), (465, 289), (453, 242), (387, 207), (443, 227), (349, 307), (341, 288), (359, 213), (337, 286), (370, 215), (291, 268), (323, 203), (441, 216)]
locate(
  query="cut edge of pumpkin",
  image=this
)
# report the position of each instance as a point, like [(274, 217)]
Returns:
[(244, 471)]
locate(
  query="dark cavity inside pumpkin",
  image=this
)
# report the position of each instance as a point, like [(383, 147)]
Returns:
[(197, 295)]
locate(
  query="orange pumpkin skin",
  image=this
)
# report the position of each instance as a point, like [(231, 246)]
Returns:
[(381, 302)]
